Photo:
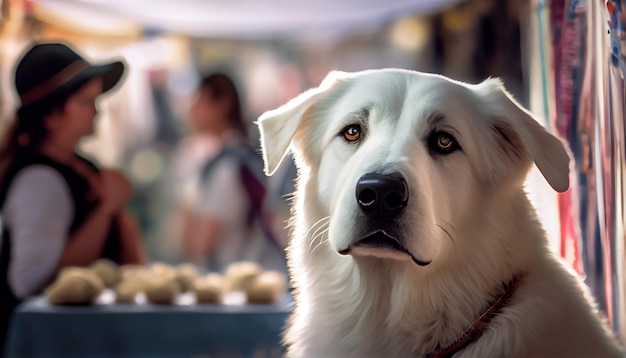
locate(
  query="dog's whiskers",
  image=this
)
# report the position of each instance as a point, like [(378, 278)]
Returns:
[(446, 231), (318, 222), (319, 225), (322, 239)]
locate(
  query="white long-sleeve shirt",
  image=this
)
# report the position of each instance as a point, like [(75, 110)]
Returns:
[(38, 214)]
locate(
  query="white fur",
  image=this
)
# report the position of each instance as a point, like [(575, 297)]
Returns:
[(468, 215)]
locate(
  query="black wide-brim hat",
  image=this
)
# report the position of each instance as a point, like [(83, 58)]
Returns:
[(48, 70)]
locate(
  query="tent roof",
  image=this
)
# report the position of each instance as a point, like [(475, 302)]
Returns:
[(235, 19)]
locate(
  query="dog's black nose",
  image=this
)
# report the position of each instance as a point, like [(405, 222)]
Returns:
[(382, 194)]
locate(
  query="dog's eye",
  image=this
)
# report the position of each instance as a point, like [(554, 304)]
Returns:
[(443, 142), (352, 132)]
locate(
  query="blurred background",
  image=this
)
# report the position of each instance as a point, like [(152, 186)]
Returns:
[(552, 55)]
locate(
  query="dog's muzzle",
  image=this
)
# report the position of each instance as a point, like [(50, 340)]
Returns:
[(382, 195), (382, 199)]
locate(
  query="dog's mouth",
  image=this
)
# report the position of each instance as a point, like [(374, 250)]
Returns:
[(380, 244)]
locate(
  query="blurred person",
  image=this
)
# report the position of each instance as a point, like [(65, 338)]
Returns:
[(173, 198), (228, 223), (197, 147), (58, 209)]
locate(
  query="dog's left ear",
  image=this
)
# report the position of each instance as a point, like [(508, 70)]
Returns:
[(277, 127), (521, 132)]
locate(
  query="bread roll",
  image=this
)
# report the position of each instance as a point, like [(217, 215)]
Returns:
[(127, 290), (267, 287), (239, 275), (129, 270), (209, 289), (186, 275), (107, 270), (162, 289), (74, 286)]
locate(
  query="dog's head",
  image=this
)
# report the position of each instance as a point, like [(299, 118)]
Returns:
[(403, 161)]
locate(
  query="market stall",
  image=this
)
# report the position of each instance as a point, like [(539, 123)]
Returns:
[(568, 68), (40, 329)]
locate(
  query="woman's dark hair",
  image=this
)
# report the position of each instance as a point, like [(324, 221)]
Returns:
[(219, 86), (28, 129)]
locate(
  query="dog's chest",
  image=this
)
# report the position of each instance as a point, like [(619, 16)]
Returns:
[(368, 327)]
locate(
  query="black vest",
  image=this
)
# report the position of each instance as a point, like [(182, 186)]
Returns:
[(83, 205)]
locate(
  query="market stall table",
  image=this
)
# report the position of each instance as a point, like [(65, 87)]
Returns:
[(240, 330)]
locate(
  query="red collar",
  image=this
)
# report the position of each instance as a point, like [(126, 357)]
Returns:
[(477, 329)]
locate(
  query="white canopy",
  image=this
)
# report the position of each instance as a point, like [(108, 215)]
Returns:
[(236, 19)]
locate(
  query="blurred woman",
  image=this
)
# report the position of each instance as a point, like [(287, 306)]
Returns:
[(58, 209), (227, 223)]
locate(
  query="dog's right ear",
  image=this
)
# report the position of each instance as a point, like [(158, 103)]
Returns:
[(278, 127)]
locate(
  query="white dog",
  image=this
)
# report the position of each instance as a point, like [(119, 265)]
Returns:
[(411, 232)]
